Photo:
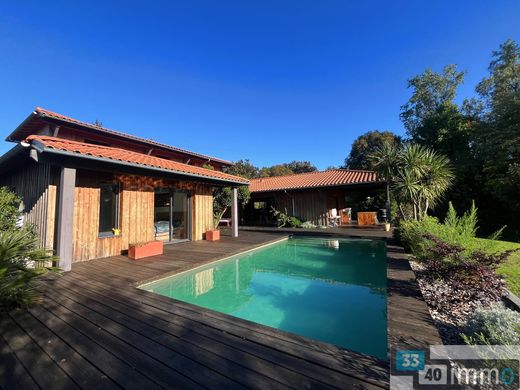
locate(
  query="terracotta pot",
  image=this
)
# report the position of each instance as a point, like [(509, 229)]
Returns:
[(213, 235), (139, 251)]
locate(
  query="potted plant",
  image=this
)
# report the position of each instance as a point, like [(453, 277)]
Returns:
[(212, 235), (387, 226), (146, 249)]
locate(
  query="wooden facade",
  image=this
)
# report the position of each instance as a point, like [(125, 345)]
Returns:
[(36, 184), (313, 205)]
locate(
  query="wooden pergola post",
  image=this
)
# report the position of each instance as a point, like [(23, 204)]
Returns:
[(234, 213), (65, 217)]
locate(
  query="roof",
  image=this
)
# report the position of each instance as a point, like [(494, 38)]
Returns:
[(110, 154), (34, 120), (328, 178)]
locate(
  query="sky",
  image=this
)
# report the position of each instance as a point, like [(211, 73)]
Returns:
[(268, 81)]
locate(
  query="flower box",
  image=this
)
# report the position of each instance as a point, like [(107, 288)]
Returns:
[(147, 249), (213, 235)]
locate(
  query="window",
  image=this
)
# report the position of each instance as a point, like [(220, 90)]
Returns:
[(259, 205), (108, 209)]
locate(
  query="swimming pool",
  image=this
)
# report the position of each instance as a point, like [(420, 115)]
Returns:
[(332, 290)]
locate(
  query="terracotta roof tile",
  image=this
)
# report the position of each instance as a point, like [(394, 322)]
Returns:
[(51, 114), (122, 155), (329, 178)]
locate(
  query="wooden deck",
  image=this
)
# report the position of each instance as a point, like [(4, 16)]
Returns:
[(94, 329)]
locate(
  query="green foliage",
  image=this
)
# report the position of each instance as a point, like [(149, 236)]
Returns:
[(414, 174), (223, 199), (497, 325), (9, 205), (308, 225), (243, 168), (284, 219), (367, 144), (20, 262), (291, 168), (431, 91)]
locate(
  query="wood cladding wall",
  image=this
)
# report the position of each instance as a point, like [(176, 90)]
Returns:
[(36, 185), (136, 212)]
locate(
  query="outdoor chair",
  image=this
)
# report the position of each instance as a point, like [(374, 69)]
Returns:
[(334, 218)]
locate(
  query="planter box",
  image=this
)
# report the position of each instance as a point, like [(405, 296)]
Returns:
[(140, 251), (213, 235)]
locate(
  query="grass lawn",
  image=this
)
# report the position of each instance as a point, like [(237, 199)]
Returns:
[(511, 268)]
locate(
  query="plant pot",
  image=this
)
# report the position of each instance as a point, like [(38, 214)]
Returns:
[(213, 235), (387, 227), (140, 251)]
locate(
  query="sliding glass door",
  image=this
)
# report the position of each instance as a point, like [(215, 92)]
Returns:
[(172, 215)]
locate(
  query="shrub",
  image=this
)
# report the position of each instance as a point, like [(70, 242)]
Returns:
[(20, 262), (9, 213), (455, 230), (465, 277), (284, 219), (496, 325)]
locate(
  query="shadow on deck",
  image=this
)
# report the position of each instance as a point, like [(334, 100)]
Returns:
[(94, 329)]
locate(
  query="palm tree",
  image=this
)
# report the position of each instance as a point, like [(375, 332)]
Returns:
[(423, 177), (386, 160)]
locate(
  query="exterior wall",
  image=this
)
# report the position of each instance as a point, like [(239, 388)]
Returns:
[(36, 184), (136, 212), (202, 211), (88, 136)]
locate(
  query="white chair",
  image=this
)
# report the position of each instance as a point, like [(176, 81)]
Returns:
[(334, 218)]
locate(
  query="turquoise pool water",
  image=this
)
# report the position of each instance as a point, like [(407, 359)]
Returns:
[(328, 290)]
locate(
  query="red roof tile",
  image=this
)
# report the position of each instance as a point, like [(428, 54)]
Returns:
[(42, 113), (329, 178), (126, 156)]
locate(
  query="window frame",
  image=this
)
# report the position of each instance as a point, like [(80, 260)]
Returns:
[(116, 188)]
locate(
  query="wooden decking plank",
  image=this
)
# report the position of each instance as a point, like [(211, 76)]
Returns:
[(213, 345), (45, 372), (13, 374), (77, 367), (114, 367), (345, 366), (165, 365)]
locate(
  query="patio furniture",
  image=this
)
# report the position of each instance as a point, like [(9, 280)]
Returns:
[(334, 218), (367, 218), (227, 221)]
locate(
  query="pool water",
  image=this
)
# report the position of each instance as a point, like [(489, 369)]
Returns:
[(329, 290)]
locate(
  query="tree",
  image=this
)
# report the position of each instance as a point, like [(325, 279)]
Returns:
[(431, 91), (498, 138), (9, 209), (275, 170), (385, 160), (367, 144), (301, 167), (243, 168), (423, 176)]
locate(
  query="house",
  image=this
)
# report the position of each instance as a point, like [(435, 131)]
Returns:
[(309, 196), (90, 192)]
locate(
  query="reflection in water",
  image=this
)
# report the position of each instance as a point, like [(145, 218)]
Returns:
[(204, 281), (330, 290)]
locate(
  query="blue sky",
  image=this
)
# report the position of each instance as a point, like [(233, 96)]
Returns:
[(272, 81)]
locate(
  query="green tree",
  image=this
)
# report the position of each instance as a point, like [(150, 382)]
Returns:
[(9, 209), (431, 91), (275, 170), (386, 162), (498, 139), (422, 178), (301, 167), (367, 144), (243, 168)]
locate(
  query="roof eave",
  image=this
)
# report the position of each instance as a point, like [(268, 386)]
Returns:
[(31, 116), (319, 187), (41, 148), (44, 116)]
